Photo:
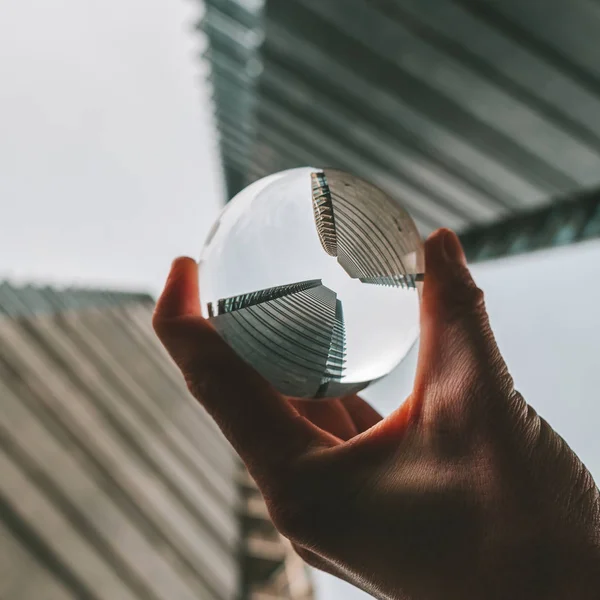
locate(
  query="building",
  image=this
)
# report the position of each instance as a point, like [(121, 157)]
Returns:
[(373, 238), (113, 481), (483, 116), (293, 335)]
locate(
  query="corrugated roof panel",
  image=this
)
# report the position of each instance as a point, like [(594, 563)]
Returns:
[(469, 112), (23, 300), (114, 481)]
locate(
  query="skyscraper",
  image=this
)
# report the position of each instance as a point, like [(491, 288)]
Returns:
[(373, 238), (293, 334)]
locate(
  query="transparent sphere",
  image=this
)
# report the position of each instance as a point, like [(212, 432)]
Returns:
[(313, 277)]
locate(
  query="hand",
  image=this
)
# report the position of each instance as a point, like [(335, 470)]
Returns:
[(463, 492)]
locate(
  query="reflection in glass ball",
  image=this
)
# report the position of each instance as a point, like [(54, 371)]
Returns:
[(313, 277)]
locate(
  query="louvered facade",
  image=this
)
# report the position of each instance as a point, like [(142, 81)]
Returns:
[(480, 115), (114, 483)]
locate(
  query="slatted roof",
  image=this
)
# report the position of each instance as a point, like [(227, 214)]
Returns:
[(36, 300), (470, 112)]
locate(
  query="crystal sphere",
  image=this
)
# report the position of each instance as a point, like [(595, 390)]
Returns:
[(313, 276)]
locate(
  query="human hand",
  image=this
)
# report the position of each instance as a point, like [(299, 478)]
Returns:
[(463, 492)]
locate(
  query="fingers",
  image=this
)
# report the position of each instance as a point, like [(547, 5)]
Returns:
[(363, 415), (181, 296), (329, 415), (262, 426), (457, 350), (343, 417), (449, 291)]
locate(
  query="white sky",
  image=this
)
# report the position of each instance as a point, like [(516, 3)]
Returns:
[(108, 170), (107, 162)]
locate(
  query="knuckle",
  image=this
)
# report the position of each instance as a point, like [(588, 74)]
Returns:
[(459, 297), (468, 299)]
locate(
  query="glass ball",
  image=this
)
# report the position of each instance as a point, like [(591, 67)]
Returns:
[(313, 276)]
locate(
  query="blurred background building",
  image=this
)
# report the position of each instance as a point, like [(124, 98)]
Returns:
[(114, 483), (482, 115)]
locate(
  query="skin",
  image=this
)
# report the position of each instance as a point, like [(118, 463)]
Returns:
[(463, 492)]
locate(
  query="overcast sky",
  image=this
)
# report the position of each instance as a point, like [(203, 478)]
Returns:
[(107, 162), (108, 170)]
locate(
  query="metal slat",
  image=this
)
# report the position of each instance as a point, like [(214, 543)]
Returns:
[(416, 198), (565, 33), (314, 95), (420, 93), (487, 104), (369, 90), (336, 124), (111, 348), (30, 509), (155, 444), (565, 222), (488, 52), (143, 491), (56, 475), (24, 573)]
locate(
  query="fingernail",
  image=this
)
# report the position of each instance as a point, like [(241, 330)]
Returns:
[(176, 270), (180, 260), (452, 248), (173, 268)]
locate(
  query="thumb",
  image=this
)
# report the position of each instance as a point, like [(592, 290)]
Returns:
[(458, 354)]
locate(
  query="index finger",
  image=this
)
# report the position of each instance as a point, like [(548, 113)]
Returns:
[(262, 426)]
